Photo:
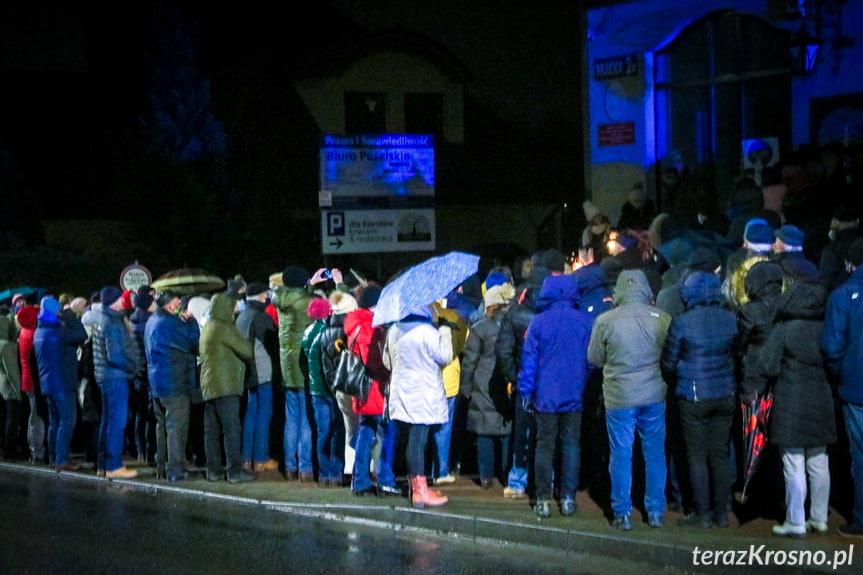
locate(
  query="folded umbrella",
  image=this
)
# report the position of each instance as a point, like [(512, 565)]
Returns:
[(422, 285), (755, 418)]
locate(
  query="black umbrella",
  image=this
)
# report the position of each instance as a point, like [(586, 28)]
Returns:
[(755, 418)]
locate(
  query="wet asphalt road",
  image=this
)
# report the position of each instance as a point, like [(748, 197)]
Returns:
[(56, 525)]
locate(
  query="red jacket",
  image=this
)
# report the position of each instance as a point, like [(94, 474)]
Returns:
[(369, 346), (27, 319)]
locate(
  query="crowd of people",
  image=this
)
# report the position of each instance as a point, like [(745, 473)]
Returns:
[(551, 372)]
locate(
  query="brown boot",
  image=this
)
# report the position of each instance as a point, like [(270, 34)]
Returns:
[(421, 496)]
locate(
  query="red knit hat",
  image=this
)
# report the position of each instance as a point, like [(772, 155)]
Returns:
[(319, 308), (127, 299)]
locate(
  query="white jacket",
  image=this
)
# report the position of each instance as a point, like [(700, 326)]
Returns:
[(415, 353)]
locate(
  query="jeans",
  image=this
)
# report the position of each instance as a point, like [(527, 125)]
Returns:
[(62, 415), (797, 464), (370, 428), (649, 421), (331, 438), (112, 428), (706, 431), (523, 440), (256, 425), (298, 432), (443, 440), (418, 434), (172, 432), (222, 417), (853, 413), (552, 428), (485, 459)]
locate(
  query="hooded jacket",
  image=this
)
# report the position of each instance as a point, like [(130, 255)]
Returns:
[(698, 354), (56, 345), (224, 351), (755, 319), (10, 371), (627, 343), (802, 413), (369, 345), (115, 352), (291, 304), (595, 297), (554, 366), (172, 349), (258, 327), (842, 344), (27, 319)]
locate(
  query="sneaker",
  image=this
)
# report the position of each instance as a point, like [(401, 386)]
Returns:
[(789, 530), (121, 473), (445, 480), (819, 527), (368, 491), (247, 465), (271, 465), (389, 491), (510, 493), (568, 506), (241, 475), (215, 475), (542, 508), (852, 530), (622, 522), (654, 521), (696, 521)]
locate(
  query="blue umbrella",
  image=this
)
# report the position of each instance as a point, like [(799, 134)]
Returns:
[(7, 295), (423, 284)]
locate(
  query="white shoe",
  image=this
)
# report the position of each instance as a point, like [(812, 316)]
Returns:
[(789, 530), (819, 527), (445, 480)]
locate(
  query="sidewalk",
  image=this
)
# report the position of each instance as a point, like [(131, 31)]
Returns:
[(483, 515)]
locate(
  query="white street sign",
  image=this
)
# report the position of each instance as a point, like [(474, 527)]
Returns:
[(369, 231)]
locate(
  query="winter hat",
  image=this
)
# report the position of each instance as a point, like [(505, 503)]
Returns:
[(845, 214), (626, 241), (143, 299), (790, 235), (295, 276), (78, 305), (759, 237), (500, 294), (127, 299), (368, 296), (554, 260), (495, 279), (590, 210), (165, 297), (50, 308), (18, 296), (855, 252), (199, 307), (108, 295), (276, 280), (753, 222), (342, 302), (319, 308), (255, 289)]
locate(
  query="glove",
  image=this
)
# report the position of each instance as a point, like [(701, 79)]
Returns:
[(527, 404)]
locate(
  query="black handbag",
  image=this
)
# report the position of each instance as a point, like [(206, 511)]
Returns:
[(350, 376)]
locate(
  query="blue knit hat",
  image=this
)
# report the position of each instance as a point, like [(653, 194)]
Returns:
[(49, 311), (759, 234), (790, 235)]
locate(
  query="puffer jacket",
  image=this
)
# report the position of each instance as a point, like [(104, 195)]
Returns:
[(627, 343), (291, 304), (802, 413), (369, 346), (115, 353), (595, 297), (317, 384), (415, 353), (755, 320), (56, 345), (224, 351), (698, 355), (27, 318), (258, 327), (554, 366), (510, 338), (172, 348), (139, 324), (10, 371), (325, 349), (842, 344), (488, 412)]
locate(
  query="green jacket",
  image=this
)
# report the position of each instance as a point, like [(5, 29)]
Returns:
[(291, 304), (224, 351), (10, 372), (317, 382)]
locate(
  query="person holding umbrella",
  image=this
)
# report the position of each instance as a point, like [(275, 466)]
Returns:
[(415, 353), (802, 422)]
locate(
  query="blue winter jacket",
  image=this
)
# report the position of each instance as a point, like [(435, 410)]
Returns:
[(842, 342), (56, 346), (698, 355), (595, 297), (554, 366), (115, 357), (172, 347)]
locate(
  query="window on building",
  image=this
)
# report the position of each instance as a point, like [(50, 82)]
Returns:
[(723, 80), (365, 113), (424, 114)]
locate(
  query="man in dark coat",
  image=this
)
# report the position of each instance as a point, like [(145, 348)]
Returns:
[(843, 231), (551, 381), (842, 346)]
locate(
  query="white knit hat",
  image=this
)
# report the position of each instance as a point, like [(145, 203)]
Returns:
[(500, 294), (590, 210), (342, 302)]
